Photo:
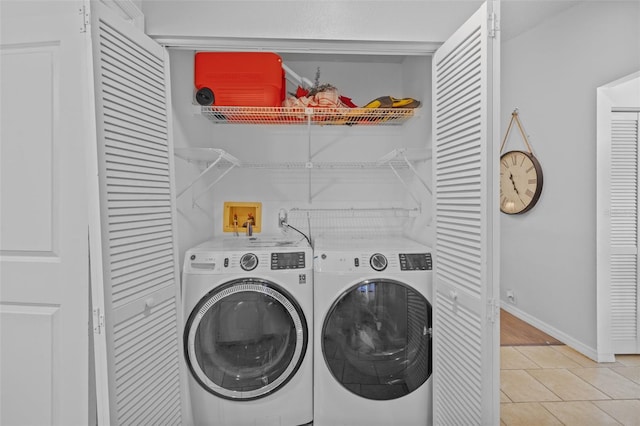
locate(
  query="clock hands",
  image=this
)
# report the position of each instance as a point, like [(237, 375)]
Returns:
[(513, 182)]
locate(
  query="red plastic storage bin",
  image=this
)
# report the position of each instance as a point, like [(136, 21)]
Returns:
[(239, 79)]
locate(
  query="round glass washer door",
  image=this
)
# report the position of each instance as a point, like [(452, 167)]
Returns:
[(376, 339), (245, 339)]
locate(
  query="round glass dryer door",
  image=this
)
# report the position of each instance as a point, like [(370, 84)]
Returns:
[(245, 339), (376, 339)]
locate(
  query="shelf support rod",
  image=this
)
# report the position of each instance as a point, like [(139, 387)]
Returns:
[(204, 172), (415, 172), (394, 155), (194, 199), (309, 165), (406, 187)]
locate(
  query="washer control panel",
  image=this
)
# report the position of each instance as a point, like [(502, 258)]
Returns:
[(415, 261), (287, 260)]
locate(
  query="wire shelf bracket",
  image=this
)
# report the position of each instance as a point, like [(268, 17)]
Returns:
[(213, 158), (399, 157)]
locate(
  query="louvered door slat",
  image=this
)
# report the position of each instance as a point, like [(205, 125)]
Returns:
[(129, 140), (465, 208), (124, 101), (124, 247), (132, 146), (125, 161), (119, 61), (130, 56), (140, 220), (137, 205), (117, 115), (153, 196), (118, 182), (139, 255), (123, 191), (126, 135), (121, 174), (121, 278), (124, 151), (128, 233), (145, 285), (118, 92)]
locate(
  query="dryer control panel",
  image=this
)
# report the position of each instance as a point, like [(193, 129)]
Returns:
[(415, 261)]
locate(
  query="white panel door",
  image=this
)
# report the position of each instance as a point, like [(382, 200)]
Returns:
[(135, 279), (466, 286), (44, 282)]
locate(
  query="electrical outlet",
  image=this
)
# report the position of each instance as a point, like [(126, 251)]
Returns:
[(511, 296), (282, 218)]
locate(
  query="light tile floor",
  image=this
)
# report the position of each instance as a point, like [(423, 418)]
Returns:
[(555, 385)]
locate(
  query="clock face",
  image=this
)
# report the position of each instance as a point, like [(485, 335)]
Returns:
[(520, 182)]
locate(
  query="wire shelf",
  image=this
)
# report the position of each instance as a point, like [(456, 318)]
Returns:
[(343, 165), (315, 116), (372, 222), (221, 159)]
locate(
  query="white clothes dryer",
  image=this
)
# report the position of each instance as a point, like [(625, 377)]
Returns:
[(248, 333), (373, 335)]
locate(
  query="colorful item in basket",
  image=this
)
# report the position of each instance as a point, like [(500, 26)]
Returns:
[(391, 102), (332, 108), (328, 98)]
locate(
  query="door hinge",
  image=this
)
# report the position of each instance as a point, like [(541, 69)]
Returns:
[(493, 310), (98, 321), (494, 25), (83, 12)]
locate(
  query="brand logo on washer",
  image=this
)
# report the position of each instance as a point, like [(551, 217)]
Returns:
[(302, 278)]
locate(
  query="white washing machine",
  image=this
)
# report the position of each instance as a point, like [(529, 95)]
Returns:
[(373, 335), (248, 334)]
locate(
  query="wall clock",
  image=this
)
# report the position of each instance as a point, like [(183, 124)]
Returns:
[(520, 182), (520, 176)]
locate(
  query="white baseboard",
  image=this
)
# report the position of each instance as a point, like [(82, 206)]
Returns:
[(552, 331)]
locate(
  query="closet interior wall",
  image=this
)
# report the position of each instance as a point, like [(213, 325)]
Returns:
[(325, 197)]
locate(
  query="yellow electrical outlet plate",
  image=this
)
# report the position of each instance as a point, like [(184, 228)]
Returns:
[(237, 214)]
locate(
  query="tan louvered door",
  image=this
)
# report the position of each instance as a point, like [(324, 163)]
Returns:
[(133, 257), (466, 288)]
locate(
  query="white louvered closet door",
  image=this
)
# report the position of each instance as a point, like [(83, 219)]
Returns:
[(623, 233), (466, 287), (135, 280)]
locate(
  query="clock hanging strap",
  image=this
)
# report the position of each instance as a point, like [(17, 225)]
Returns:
[(514, 117)]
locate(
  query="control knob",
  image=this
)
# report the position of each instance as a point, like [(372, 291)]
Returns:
[(248, 261), (378, 262)]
